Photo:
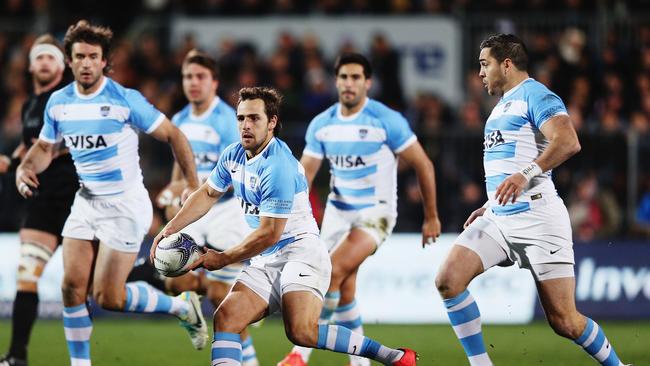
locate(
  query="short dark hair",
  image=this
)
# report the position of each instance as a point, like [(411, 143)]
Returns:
[(504, 46), (353, 58), (95, 35), (201, 58), (272, 100)]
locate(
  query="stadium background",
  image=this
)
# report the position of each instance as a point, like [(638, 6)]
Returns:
[(594, 54)]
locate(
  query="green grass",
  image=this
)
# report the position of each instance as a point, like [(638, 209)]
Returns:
[(133, 341)]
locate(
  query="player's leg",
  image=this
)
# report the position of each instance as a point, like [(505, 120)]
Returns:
[(111, 292), (348, 314), (301, 310), (558, 300), (475, 251), (78, 262), (240, 308), (36, 249)]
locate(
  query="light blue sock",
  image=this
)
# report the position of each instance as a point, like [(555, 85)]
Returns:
[(343, 340), (594, 342), (330, 303), (78, 327), (144, 298), (248, 351), (466, 320), (226, 349)]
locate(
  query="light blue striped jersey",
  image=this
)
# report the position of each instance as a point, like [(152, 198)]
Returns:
[(271, 184), (100, 130), (513, 140), (209, 133), (361, 150)]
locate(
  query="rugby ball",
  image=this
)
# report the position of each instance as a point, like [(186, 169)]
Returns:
[(174, 254)]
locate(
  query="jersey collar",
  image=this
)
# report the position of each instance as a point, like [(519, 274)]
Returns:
[(254, 158), (352, 116), (207, 112), (91, 96), (514, 88)]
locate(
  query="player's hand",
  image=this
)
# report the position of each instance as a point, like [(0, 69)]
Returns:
[(26, 181), (430, 231), (5, 161), (473, 216), (162, 234), (510, 189), (210, 260)]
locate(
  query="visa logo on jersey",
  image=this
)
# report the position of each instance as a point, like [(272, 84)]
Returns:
[(346, 161), (493, 139), (85, 142)]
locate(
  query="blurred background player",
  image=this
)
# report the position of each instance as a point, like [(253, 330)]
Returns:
[(362, 139), (524, 220), (210, 125), (111, 213), (46, 213), (290, 268)]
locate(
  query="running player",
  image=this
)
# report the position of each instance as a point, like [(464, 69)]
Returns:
[(290, 268), (40, 233), (98, 118), (524, 220), (210, 125), (362, 139)]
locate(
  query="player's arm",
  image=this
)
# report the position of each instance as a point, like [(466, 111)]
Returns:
[(8, 163), (415, 156), (37, 159), (311, 165), (563, 144), (197, 205), (267, 234), (169, 133)]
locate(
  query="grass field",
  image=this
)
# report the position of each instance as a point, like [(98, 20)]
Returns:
[(134, 341)]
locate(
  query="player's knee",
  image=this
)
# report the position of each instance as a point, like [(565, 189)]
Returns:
[(445, 284), (33, 258), (71, 291), (339, 273), (302, 334), (108, 300), (227, 320)]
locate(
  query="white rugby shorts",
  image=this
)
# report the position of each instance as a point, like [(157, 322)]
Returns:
[(303, 265), (119, 221), (538, 240), (378, 221)]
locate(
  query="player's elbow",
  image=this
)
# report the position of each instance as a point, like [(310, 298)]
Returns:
[(574, 147)]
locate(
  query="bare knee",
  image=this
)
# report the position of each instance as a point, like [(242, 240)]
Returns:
[(72, 293), (227, 320), (448, 284), (569, 326), (109, 300), (302, 333)]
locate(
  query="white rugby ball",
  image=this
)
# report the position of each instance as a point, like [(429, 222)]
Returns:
[(175, 253)]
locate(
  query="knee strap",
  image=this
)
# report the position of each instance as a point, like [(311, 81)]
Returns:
[(33, 258)]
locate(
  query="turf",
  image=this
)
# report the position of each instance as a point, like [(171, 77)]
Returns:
[(135, 341)]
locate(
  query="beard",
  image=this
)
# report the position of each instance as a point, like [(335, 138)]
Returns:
[(44, 77)]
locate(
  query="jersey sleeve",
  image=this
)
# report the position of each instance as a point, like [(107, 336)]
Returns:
[(50, 130), (544, 106), (220, 178), (277, 190), (313, 147), (143, 114), (399, 135)]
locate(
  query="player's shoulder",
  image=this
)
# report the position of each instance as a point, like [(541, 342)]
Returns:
[(179, 117), (233, 150), (279, 154), (325, 116), (63, 95), (533, 90), (378, 110), (120, 94), (225, 109)]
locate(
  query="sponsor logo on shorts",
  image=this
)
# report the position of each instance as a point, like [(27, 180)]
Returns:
[(303, 275), (555, 251)]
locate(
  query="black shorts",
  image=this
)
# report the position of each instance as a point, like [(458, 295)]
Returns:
[(49, 210)]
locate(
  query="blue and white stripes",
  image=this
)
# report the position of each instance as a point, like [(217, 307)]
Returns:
[(78, 327), (330, 303), (466, 320), (593, 341), (142, 298), (226, 349), (248, 351), (343, 340), (349, 316)]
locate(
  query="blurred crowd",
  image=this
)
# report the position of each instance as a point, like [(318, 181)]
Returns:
[(606, 88)]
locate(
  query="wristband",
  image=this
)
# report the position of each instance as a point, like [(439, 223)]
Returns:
[(531, 171)]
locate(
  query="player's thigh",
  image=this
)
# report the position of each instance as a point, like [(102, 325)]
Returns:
[(217, 291), (335, 226), (40, 237), (351, 252), (241, 307), (300, 310), (78, 261), (112, 267)]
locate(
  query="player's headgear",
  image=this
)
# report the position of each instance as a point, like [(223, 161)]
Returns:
[(47, 44)]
